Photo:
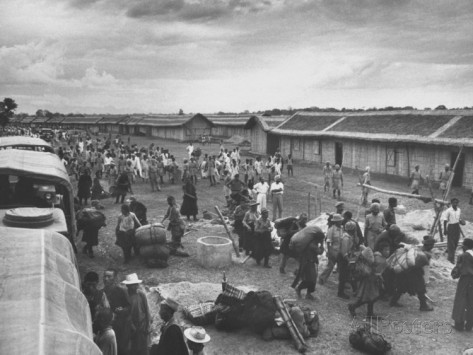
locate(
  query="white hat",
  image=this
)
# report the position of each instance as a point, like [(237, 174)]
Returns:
[(197, 335), (131, 279)]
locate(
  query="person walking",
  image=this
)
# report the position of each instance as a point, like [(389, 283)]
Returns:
[(462, 312), (290, 171), (444, 179), (189, 203), (125, 231), (277, 190), (452, 222), (347, 244), (374, 225), (249, 222), (327, 173), (333, 239), (83, 187), (416, 178), (140, 317), (262, 239), (123, 186), (365, 180), (337, 181), (176, 225)]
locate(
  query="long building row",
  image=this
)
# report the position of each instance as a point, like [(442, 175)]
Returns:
[(390, 142)]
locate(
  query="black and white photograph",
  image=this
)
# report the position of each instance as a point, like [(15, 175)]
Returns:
[(241, 177)]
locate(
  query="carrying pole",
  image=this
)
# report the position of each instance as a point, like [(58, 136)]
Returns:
[(235, 247)]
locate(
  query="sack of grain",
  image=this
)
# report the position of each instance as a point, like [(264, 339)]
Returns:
[(302, 239), (156, 251), (150, 234)]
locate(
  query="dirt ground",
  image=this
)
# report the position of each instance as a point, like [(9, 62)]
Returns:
[(408, 330)]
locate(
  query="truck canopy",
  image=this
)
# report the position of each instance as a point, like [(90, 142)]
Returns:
[(43, 309)]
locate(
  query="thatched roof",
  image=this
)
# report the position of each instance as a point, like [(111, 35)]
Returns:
[(81, 120), (310, 121), (55, 120), (430, 127), (266, 122), (462, 129), (171, 120), (41, 119), (131, 120), (112, 119), (229, 120), (28, 119)]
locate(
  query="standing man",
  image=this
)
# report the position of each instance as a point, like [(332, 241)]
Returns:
[(337, 181), (374, 225), (277, 190), (452, 222), (334, 236), (327, 171), (261, 190), (389, 213), (290, 171), (444, 178), (140, 317), (365, 180), (190, 149), (120, 306), (236, 186), (416, 177)]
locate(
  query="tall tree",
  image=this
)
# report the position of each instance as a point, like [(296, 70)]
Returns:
[(7, 109)]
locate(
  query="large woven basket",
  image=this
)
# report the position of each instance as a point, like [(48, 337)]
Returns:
[(201, 313)]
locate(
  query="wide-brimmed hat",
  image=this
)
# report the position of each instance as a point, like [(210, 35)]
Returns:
[(337, 218), (338, 204), (254, 203), (131, 280), (197, 335)]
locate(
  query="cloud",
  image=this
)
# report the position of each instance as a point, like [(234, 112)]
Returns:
[(31, 63)]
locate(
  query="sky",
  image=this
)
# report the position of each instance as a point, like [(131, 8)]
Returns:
[(159, 56)]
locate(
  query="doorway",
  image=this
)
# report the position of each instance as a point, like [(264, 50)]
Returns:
[(272, 144), (338, 153), (458, 177)]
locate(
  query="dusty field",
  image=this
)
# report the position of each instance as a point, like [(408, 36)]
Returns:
[(430, 335)]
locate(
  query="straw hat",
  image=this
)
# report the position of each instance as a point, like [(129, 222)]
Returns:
[(337, 218), (254, 203), (197, 335), (132, 279), (170, 303)]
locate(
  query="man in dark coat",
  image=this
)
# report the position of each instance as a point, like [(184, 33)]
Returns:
[(171, 341), (120, 306), (139, 210)]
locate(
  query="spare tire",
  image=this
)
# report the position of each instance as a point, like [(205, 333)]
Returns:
[(150, 234), (29, 217)]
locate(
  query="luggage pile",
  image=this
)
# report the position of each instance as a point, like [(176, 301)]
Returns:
[(258, 311), (151, 240)]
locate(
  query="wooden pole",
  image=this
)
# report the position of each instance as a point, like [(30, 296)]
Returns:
[(445, 196), (308, 205), (404, 194), (235, 247)]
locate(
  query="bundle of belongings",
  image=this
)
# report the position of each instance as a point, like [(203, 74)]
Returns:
[(151, 239), (407, 257), (366, 339), (259, 311), (90, 217)]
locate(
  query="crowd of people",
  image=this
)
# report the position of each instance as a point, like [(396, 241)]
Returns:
[(121, 314)]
